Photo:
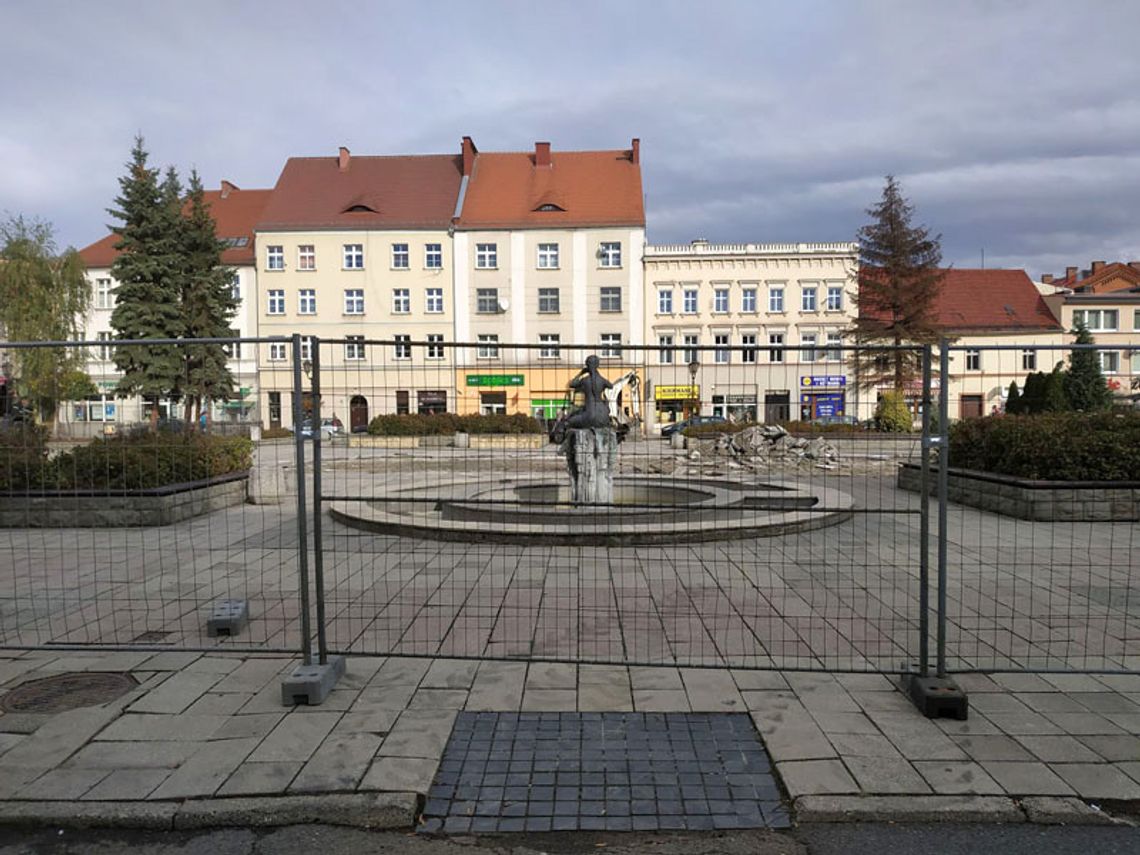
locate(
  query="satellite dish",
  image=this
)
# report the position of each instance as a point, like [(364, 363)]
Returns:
[(504, 305)]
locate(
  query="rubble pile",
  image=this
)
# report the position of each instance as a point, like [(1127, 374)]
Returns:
[(770, 445)]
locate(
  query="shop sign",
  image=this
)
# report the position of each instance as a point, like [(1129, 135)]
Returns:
[(494, 380), (742, 399), (676, 393), (826, 405), (823, 381)]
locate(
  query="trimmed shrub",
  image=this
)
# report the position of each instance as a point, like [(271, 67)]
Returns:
[(23, 456), (448, 424), (1050, 446), (276, 433), (892, 414)]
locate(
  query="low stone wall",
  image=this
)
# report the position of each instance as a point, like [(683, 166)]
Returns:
[(119, 509), (1061, 501), (459, 440), (363, 440)]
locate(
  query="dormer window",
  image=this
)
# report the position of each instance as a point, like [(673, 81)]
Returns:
[(548, 206)]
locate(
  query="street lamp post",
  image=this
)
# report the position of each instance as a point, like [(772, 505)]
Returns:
[(694, 367)]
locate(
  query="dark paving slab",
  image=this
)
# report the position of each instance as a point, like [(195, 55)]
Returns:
[(622, 771)]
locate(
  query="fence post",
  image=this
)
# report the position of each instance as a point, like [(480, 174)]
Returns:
[(924, 522), (318, 546), (938, 695)]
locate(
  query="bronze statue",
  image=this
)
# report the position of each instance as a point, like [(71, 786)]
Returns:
[(595, 412)]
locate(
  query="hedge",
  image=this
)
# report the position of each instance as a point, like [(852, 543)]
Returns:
[(138, 461), (1050, 446), (448, 424)]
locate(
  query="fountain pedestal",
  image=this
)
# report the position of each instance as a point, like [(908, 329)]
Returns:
[(591, 457)]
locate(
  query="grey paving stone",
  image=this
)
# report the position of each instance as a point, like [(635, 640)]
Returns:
[(10, 740), (360, 670), (886, 775), (394, 697), (423, 733), (399, 671), (1015, 682), (1075, 682), (205, 770), (661, 700), (711, 690), (1023, 723), (803, 777), (176, 693), (58, 738), (759, 680), (601, 697), (976, 684), (438, 699), (916, 737), (338, 764), (1059, 749), (63, 784), (1121, 682), (993, 702), (376, 721), (214, 664), (1097, 780), (863, 745), (133, 755), (1114, 748), (795, 739), (244, 726), (253, 779), (127, 785), (171, 660), (450, 674), (551, 675), (865, 683), (213, 703), (1083, 723), (883, 701), (1046, 702), (400, 774), (253, 675), (296, 737), (162, 728), (951, 777), (844, 722), (977, 723), (552, 700), (1026, 779), (992, 747), (497, 686), (771, 701), (648, 678), (24, 723)]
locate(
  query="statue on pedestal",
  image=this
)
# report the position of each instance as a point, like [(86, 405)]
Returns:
[(587, 439)]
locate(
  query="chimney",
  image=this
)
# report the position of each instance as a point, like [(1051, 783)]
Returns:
[(342, 160), (542, 154), (1097, 266), (1071, 273), (227, 188), (1047, 278), (635, 152), (469, 152)]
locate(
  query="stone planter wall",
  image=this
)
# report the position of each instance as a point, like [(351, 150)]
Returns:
[(118, 509), (1060, 501), (459, 440)]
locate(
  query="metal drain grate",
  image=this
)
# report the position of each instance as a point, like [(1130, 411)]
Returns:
[(63, 692)]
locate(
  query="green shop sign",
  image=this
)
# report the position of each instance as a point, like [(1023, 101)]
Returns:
[(494, 380)]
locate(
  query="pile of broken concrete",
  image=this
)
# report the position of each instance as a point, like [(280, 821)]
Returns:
[(765, 446)]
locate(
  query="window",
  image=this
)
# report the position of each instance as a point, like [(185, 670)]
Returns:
[(105, 350), (401, 301), (235, 286), (403, 349), (834, 342), (549, 348), (690, 341), (807, 298), (834, 298), (720, 355), (611, 345), (306, 347), (808, 342), (354, 256), (547, 256), (354, 301), (748, 355), (776, 298), (354, 348), (1097, 320), (665, 301), (689, 301), (306, 301), (435, 346), (1028, 359), (488, 347), (403, 406), (486, 256), (611, 254), (1109, 361), (104, 294), (720, 300), (277, 351), (275, 258), (401, 259), (776, 343), (434, 302), (973, 360), (548, 303), (665, 354), (748, 301), (306, 257), (1136, 319), (611, 300), (275, 409), (276, 302), (487, 301), (433, 256), (429, 401)]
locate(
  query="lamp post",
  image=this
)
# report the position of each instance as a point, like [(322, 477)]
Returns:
[(694, 367)]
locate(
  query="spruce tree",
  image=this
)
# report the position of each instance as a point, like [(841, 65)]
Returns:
[(1033, 398), (1085, 386), (1056, 400), (208, 305), (899, 283), (1013, 399), (148, 270)]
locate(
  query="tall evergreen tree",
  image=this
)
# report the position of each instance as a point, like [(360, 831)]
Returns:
[(208, 304), (1085, 386), (1056, 401), (148, 272), (899, 282), (1033, 396), (1013, 402), (44, 296)]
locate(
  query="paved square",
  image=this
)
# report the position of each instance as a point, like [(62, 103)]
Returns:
[(616, 771)]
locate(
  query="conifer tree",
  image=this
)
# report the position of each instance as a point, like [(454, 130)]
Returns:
[(1085, 386), (899, 282), (208, 305), (1033, 398), (1056, 400), (148, 272), (1013, 399)]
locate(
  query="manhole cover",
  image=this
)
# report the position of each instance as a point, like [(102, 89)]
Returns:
[(64, 692)]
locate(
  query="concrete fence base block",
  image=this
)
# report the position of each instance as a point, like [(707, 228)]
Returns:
[(228, 617), (311, 684), (907, 809)]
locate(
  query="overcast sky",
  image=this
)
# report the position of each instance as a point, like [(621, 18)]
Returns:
[(1014, 126)]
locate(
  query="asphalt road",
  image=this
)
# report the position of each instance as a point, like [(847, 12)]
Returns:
[(853, 839)]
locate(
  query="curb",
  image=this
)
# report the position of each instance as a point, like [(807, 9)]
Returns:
[(371, 810), (1040, 810)]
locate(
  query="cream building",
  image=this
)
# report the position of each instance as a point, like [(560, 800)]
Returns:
[(748, 331)]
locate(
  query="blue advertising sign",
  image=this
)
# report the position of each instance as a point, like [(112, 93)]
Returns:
[(824, 380), (824, 405)]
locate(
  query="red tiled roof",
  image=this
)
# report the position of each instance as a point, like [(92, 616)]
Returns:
[(235, 216), (591, 188), (1096, 281), (989, 300), (406, 191)]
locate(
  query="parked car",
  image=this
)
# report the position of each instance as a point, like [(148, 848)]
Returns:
[(694, 421), (329, 428)]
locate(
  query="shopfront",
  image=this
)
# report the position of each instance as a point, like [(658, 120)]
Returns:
[(735, 408), (675, 403), (823, 397)]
